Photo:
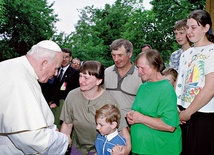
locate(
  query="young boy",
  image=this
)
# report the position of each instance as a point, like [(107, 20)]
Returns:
[(181, 38), (108, 139)]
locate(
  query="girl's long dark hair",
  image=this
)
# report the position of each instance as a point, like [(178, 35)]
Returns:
[(203, 17)]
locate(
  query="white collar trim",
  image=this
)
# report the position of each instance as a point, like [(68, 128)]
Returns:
[(112, 135)]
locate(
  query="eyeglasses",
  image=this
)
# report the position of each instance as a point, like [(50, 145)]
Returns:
[(75, 63)]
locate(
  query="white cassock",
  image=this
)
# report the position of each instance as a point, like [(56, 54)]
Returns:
[(26, 121)]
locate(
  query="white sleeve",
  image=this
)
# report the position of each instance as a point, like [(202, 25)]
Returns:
[(209, 62), (42, 141)]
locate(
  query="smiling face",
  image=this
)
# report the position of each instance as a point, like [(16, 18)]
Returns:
[(196, 32), (121, 58), (88, 82), (105, 128)]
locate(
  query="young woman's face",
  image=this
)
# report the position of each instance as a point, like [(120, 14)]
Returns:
[(88, 82), (196, 32)]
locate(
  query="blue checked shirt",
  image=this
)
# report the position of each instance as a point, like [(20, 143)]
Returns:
[(175, 59)]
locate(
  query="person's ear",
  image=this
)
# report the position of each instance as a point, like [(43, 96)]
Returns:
[(130, 54), (43, 64), (207, 27), (113, 125), (99, 81)]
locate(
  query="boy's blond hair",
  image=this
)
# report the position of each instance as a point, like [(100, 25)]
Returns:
[(110, 112), (180, 24), (172, 72)]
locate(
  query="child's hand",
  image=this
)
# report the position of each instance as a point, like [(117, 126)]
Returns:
[(117, 150)]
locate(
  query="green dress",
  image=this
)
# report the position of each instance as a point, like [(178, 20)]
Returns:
[(158, 100)]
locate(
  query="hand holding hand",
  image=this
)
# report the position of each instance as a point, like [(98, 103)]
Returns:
[(184, 116), (117, 150)]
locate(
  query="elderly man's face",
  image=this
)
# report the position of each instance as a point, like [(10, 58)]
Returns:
[(49, 68)]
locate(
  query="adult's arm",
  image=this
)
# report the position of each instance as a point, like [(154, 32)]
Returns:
[(124, 150), (66, 128), (40, 141), (200, 100), (125, 134), (134, 117)]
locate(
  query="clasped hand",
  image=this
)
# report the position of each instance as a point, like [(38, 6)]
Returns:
[(133, 117)]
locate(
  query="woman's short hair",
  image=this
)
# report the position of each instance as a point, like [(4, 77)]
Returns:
[(94, 68), (154, 59)]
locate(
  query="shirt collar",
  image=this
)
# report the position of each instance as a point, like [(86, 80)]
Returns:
[(65, 68), (131, 70), (112, 135)]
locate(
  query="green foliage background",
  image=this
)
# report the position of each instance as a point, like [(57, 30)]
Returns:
[(24, 24)]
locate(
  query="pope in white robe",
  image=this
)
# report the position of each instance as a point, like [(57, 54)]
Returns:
[(26, 121)]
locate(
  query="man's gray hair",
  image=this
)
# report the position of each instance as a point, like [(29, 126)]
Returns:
[(122, 42)]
